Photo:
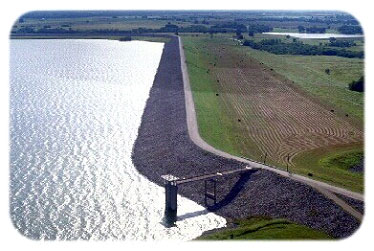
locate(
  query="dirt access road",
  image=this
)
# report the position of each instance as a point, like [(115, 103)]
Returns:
[(327, 189)]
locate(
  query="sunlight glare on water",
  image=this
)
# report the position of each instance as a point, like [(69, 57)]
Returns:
[(75, 110)]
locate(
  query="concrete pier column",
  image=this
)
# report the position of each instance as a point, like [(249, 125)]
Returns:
[(171, 192)]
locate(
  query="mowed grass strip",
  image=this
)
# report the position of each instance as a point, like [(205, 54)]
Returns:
[(261, 228), (213, 123)]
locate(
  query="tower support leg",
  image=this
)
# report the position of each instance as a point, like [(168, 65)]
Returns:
[(171, 206)]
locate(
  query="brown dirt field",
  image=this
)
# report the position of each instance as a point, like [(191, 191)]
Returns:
[(273, 114)]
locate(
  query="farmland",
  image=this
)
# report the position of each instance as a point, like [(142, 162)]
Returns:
[(250, 104)]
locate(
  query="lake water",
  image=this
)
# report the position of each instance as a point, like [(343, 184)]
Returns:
[(313, 35), (75, 110)]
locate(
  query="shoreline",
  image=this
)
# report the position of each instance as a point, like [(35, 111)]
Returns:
[(163, 146)]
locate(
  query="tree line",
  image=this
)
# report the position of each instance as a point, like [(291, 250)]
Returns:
[(228, 27), (313, 29), (341, 43), (276, 46), (350, 29)]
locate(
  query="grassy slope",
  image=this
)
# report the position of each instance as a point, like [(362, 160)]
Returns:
[(260, 228), (332, 165), (308, 73), (211, 117)]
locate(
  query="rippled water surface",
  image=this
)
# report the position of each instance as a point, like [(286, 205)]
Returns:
[(75, 110)]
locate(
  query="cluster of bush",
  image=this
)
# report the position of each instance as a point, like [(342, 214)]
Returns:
[(357, 86), (258, 28), (350, 29), (276, 46), (230, 26), (127, 38), (313, 29), (336, 19), (341, 43), (344, 29)]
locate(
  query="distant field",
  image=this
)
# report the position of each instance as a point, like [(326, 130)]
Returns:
[(151, 39), (247, 105), (124, 25), (159, 39), (98, 23)]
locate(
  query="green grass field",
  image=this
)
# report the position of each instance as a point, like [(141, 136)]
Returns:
[(333, 165), (308, 72), (261, 228), (211, 115), (217, 127)]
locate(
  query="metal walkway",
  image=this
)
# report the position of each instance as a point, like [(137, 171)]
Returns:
[(180, 181), (171, 189)]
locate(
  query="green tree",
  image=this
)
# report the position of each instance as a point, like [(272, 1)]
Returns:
[(357, 86)]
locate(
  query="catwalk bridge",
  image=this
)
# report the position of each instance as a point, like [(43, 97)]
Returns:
[(172, 182)]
